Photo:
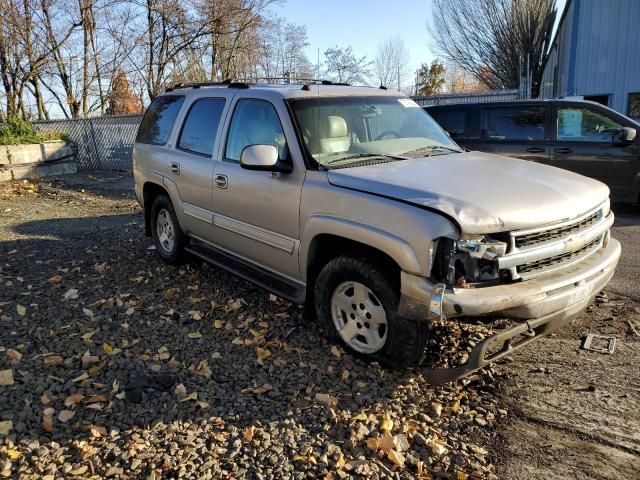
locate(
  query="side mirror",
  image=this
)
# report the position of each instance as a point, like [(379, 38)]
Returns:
[(263, 158), (624, 135)]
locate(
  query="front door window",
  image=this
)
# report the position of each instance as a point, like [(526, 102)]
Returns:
[(579, 124)]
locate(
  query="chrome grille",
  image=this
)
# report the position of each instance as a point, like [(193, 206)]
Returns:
[(536, 238), (551, 262)]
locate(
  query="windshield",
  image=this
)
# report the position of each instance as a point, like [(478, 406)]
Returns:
[(339, 131)]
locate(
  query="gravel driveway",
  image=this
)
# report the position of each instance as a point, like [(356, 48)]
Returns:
[(115, 365)]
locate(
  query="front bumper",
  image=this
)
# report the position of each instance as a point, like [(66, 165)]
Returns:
[(543, 304)]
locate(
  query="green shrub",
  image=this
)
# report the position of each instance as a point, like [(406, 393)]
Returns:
[(17, 131)]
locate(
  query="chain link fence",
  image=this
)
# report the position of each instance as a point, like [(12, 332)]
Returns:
[(481, 97), (102, 143)]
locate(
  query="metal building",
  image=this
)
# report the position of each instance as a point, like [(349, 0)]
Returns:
[(594, 54)]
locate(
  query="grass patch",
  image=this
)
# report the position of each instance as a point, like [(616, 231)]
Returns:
[(18, 132)]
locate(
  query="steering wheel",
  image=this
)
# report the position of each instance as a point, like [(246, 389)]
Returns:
[(387, 133)]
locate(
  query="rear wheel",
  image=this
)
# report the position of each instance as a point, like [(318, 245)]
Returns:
[(168, 237), (356, 303)]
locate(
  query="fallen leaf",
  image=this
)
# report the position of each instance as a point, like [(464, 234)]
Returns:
[(196, 315), (100, 267), (194, 335), (345, 375), (372, 443), (97, 431), (386, 424), (21, 309), (88, 312), (336, 351), (6, 377), (13, 454), (396, 458), (88, 359), (5, 427), (437, 408), (108, 349), (14, 355), (56, 279), (385, 443), (218, 324), (262, 353), (80, 377), (461, 475), (341, 461), (248, 433), (52, 360), (47, 419), (66, 415), (181, 391), (191, 396), (44, 399), (202, 369), (326, 399), (70, 294), (71, 400), (264, 388)]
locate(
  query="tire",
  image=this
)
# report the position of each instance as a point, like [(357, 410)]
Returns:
[(168, 237), (338, 288)]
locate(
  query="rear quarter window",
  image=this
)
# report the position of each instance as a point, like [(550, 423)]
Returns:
[(158, 120)]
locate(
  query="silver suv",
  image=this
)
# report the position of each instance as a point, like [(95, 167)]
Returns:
[(354, 201)]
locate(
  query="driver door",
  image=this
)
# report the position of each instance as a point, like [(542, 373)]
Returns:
[(584, 144)]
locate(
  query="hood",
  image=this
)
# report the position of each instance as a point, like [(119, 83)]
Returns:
[(484, 193)]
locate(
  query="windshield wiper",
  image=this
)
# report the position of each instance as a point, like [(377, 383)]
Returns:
[(367, 155), (432, 148)]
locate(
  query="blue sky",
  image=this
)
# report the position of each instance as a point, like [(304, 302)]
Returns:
[(363, 24)]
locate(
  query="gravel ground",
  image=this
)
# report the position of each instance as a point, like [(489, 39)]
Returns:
[(115, 365)]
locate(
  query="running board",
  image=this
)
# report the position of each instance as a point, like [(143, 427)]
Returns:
[(261, 277)]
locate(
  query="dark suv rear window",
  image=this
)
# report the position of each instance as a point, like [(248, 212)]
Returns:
[(513, 123), (157, 122), (452, 120)]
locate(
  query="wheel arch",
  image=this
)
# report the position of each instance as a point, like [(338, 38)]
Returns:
[(151, 191)]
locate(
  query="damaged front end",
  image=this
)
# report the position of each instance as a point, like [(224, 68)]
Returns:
[(469, 262)]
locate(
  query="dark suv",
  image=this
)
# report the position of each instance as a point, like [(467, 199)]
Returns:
[(581, 136)]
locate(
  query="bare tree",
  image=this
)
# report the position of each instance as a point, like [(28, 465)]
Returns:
[(495, 39), (392, 62), (458, 80), (281, 51), (344, 67)]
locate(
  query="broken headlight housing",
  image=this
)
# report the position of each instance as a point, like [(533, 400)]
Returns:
[(469, 261)]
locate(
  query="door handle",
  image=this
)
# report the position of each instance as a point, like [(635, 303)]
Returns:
[(562, 150), (221, 181), (175, 168), (535, 150)]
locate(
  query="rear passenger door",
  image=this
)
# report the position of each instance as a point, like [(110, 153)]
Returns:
[(190, 163), (519, 131)]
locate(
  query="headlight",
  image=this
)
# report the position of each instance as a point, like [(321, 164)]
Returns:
[(469, 260)]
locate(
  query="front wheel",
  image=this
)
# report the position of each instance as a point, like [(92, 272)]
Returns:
[(168, 237), (356, 303)]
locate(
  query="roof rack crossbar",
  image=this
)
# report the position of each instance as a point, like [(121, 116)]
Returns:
[(225, 83)]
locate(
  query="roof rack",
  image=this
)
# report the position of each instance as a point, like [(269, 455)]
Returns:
[(246, 83), (225, 83)]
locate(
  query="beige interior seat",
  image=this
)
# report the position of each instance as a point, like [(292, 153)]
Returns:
[(334, 135)]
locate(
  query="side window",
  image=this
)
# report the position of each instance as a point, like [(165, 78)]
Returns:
[(200, 127), (158, 120), (576, 124), (633, 109), (513, 123), (254, 122), (453, 121)]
